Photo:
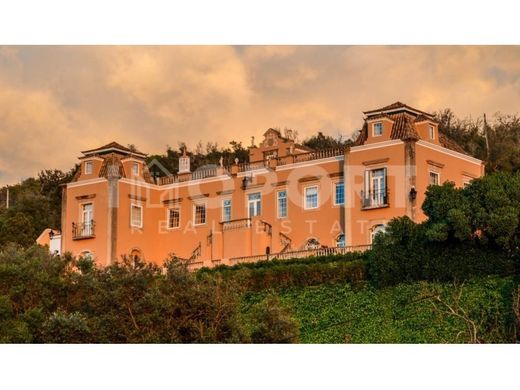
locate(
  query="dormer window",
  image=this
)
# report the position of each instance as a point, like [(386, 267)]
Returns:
[(431, 132), (135, 169), (378, 129), (88, 167)]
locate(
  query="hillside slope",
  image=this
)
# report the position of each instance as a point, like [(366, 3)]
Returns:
[(403, 314)]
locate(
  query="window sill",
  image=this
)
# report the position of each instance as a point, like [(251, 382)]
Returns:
[(86, 237), (381, 206)]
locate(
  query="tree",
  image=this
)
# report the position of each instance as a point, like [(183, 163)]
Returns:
[(321, 141)]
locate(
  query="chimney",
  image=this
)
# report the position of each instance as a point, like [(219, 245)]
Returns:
[(184, 163)]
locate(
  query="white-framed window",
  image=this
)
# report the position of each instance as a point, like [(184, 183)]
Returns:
[(339, 193), (376, 229), (377, 129), (282, 203), (431, 131), (226, 210), (88, 167), (375, 191), (434, 178), (174, 218), (136, 215), (87, 219), (199, 214), (311, 197), (254, 204), (340, 241), (135, 169)]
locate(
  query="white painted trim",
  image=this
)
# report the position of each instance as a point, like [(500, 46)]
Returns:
[(286, 204), (91, 158), (195, 204), (253, 191), (370, 120), (168, 217), (253, 172), (116, 149), (431, 127), (317, 197), (449, 152), (88, 163), (334, 184), (374, 129), (173, 185), (140, 226), (131, 158), (86, 182), (310, 163), (223, 199), (438, 177), (396, 110), (135, 164), (381, 144)]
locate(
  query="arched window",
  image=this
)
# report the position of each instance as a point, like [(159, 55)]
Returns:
[(312, 243), (380, 228), (340, 241), (136, 254)]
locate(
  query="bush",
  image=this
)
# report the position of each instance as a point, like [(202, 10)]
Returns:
[(406, 253), (281, 274)]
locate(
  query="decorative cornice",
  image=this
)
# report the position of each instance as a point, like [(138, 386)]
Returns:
[(89, 196), (374, 162), (137, 197), (435, 164), (309, 178)]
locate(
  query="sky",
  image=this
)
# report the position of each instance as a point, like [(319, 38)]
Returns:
[(58, 100)]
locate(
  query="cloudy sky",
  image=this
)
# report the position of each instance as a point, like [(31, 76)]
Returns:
[(57, 101)]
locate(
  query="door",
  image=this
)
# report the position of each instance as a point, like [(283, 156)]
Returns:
[(87, 218), (254, 206), (378, 187)]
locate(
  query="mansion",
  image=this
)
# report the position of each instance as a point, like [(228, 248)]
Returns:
[(286, 201)]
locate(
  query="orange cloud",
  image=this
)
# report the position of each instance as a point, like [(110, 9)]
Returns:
[(56, 101)]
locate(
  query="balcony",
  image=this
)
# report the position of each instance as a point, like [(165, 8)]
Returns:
[(199, 174), (236, 224), (374, 199), (83, 230), (310, 156), (302, 254)]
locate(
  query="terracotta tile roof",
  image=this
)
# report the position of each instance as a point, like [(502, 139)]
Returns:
[(447, 142), (111, 146), (404, 128), (422, 118), (395, 106)]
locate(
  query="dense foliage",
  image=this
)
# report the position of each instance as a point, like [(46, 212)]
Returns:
[(52, 299), (35, 204), (469, 232), (497, 142), (418, 312)]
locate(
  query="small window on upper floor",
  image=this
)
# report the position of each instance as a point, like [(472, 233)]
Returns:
[(431, 132), (434, 179), (88, 167), (378, 129), (135, 169)]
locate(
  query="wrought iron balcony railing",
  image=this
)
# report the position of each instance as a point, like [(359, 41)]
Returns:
[(83, 230)]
